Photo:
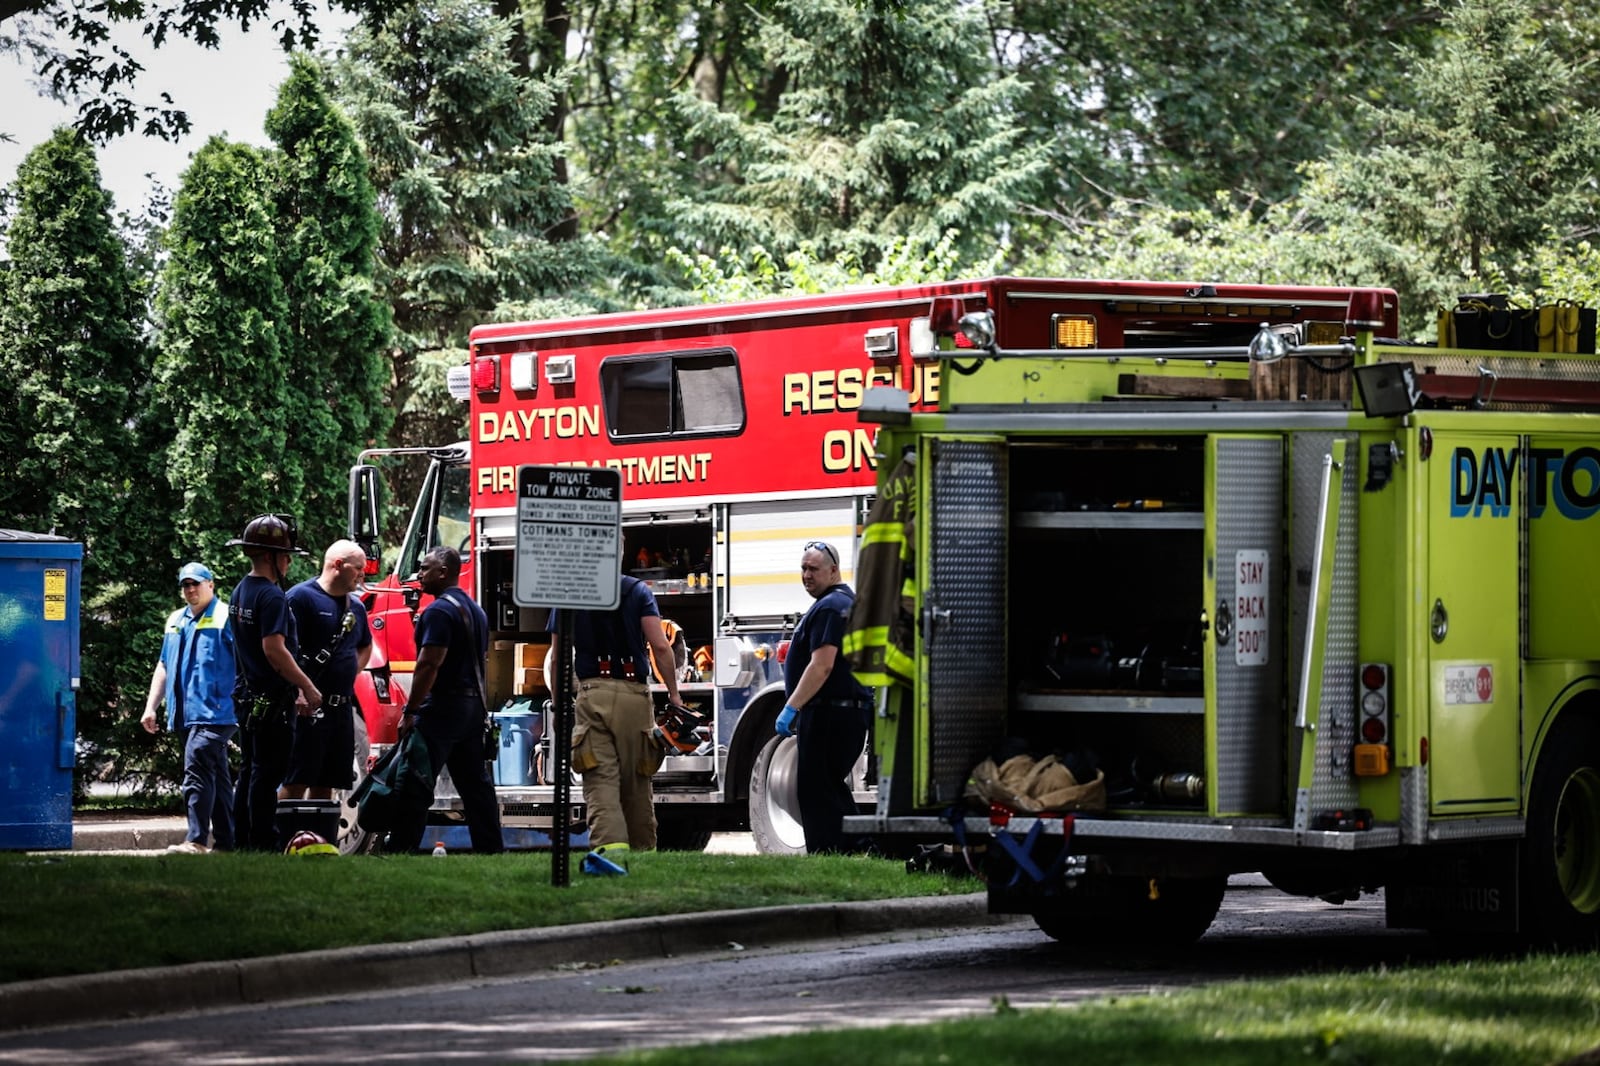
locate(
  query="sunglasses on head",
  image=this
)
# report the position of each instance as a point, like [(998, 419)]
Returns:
[(824, 547)]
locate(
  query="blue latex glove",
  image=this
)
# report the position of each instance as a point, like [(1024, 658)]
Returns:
[(785, 726)]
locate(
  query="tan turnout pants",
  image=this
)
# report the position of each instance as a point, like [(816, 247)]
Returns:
[(611, 748)]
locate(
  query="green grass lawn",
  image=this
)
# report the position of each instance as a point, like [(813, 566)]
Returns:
[(1538, 1010), (86, 913)]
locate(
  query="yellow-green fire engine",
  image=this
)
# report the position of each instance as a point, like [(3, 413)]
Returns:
[(1322, 604)]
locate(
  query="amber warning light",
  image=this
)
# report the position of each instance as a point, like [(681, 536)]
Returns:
[(1075, 331)]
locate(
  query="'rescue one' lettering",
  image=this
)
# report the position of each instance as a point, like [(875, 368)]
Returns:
[(1570, 481)]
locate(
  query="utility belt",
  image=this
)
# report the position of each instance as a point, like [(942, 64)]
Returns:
[(856, 704), (268, 710), (337, 701)]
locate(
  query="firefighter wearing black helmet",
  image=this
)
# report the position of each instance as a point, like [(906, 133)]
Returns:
[(271, 688)]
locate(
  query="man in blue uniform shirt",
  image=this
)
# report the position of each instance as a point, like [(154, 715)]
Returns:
[(271, 688), (446, 702), (335, 645), (826, 705)]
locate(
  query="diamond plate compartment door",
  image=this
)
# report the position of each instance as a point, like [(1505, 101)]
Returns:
[(1245, 584), (963, 681)]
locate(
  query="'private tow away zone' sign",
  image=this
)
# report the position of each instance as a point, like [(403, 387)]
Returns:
[(569, 530)]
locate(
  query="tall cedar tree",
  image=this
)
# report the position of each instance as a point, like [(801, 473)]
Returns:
[(466, 187), (223, 372), (74, 368), (1495, 159), (337, 329), (891, 126)]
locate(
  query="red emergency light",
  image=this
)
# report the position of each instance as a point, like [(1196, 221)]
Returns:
[(1364, 314), (486, 374)]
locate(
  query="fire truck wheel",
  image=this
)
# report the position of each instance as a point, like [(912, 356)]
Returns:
[(1560, 887), (775, 799), (680, 834), (353, 840), (1118, 911)]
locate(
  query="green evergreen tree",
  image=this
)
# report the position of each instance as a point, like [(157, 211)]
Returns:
[(1494, 157), (76, 368), (467, 188), (891, 126), (336, 330), (223, 374)]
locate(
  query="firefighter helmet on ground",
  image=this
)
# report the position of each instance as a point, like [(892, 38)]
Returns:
[(268, 532), (306, 842)]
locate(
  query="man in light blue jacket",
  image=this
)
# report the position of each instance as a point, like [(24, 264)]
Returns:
[(195, 676)]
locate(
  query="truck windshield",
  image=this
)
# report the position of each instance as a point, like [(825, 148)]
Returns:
[(441, 516)]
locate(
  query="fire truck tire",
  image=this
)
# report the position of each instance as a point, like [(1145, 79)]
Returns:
[(680, 834), (1560, 868), (1120, 912), (353, 840), (775, 799)]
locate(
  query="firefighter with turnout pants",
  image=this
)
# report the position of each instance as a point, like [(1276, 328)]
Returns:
[(613, 720)]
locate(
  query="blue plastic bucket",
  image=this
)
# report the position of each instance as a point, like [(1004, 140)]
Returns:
[(513, 763)]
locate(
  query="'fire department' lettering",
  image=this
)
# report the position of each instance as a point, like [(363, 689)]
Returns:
[(636, 470), (1569, 480), (538, 423)]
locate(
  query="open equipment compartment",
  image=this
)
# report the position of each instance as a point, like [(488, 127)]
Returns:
[(1105, 606)]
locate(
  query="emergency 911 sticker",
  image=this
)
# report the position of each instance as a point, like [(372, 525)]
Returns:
[(1471, 683), (1250, 643)]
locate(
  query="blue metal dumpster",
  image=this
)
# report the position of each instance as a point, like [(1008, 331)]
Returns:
[(39, 577)]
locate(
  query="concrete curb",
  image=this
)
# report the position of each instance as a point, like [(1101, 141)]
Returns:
[(123, 994), (152, 834)]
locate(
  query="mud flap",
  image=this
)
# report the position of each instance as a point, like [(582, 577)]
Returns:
[(1467, 888)]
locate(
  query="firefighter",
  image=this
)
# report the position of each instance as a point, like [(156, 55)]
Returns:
[(833, 709), (446, 704), (271, 689), (614, 718)]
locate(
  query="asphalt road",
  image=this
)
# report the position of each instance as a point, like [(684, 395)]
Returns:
[(740, 991)]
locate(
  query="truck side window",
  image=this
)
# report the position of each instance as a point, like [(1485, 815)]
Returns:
[(696, 394)]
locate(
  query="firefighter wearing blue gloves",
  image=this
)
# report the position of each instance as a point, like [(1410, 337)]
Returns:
[(825, 707)]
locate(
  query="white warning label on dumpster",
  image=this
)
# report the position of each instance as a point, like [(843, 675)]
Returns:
[(1250, 579)]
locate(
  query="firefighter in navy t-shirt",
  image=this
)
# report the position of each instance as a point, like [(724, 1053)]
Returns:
[(271, 688), (832, 708)]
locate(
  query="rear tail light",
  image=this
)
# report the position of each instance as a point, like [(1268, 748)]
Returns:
[(783, 652), (1371, 755)]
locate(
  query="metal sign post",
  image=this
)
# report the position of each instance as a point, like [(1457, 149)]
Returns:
[(569, 556)]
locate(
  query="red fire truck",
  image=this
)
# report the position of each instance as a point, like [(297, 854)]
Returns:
[(735, 430)]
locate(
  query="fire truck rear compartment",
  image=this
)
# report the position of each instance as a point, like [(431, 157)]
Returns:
[(1104, 639)]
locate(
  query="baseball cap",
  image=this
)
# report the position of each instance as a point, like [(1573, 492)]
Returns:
[(194, 572)]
